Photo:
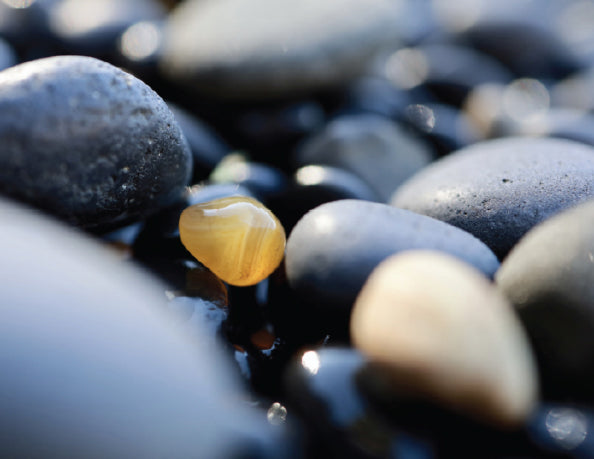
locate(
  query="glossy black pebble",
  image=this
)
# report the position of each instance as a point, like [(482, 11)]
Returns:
[(335, 246), (372, 147), (88, 142), (499, 189), (322, 387)]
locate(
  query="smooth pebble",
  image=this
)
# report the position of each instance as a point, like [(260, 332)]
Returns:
[(441, 330), (549, 278), (88, 143), (499, 189), (335, 246)]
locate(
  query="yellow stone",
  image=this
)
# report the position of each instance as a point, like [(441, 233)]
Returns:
[(237, 238)]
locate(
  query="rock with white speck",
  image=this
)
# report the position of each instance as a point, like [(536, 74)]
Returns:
[(498, 190), (88, 143)]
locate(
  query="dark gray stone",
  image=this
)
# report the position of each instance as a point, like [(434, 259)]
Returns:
[(94, 365), (372, 147), (548, 276), (499, 189), (270, 47), (208, 149), (334, 247), (88, 142)]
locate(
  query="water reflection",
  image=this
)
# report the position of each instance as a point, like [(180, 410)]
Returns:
[(311, 362), (141, 41), (310, 175), (526, 99), (75, 17), (277, 414), (407, 68), (567, 426)]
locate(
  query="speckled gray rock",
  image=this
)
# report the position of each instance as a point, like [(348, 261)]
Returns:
[(549, 277), (335, 246), (499, 189), (372, 147), (88, 142), (269, 47), (94, 365)]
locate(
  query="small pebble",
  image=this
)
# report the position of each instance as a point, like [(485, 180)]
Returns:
[(237, 238), (498, 190), (457, 341)]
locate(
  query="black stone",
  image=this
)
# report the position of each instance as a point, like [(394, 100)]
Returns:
[(448, 71), (88, 143), (499, 189), (334, 247), (315, 185), (263, 180), (208, 149), (542, 53), (372, 147), (322, 387)]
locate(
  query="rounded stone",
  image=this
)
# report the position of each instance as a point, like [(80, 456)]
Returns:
[(499, 189), (88, 142), (335, 246), (237, 238), (372, 147), (548, 278), (271, 47), (441, 330), (94, 365)]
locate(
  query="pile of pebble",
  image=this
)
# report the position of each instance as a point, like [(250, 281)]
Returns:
[(431, 164)]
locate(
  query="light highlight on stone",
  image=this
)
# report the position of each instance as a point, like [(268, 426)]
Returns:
[(237, 238), (439, 329)]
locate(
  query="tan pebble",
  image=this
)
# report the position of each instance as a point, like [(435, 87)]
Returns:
[(441, 330), (237, 238)]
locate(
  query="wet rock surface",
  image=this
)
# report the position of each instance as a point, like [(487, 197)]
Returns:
[(297, 105), (88, 143)]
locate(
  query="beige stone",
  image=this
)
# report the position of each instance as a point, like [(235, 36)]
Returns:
[(441, 330)]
